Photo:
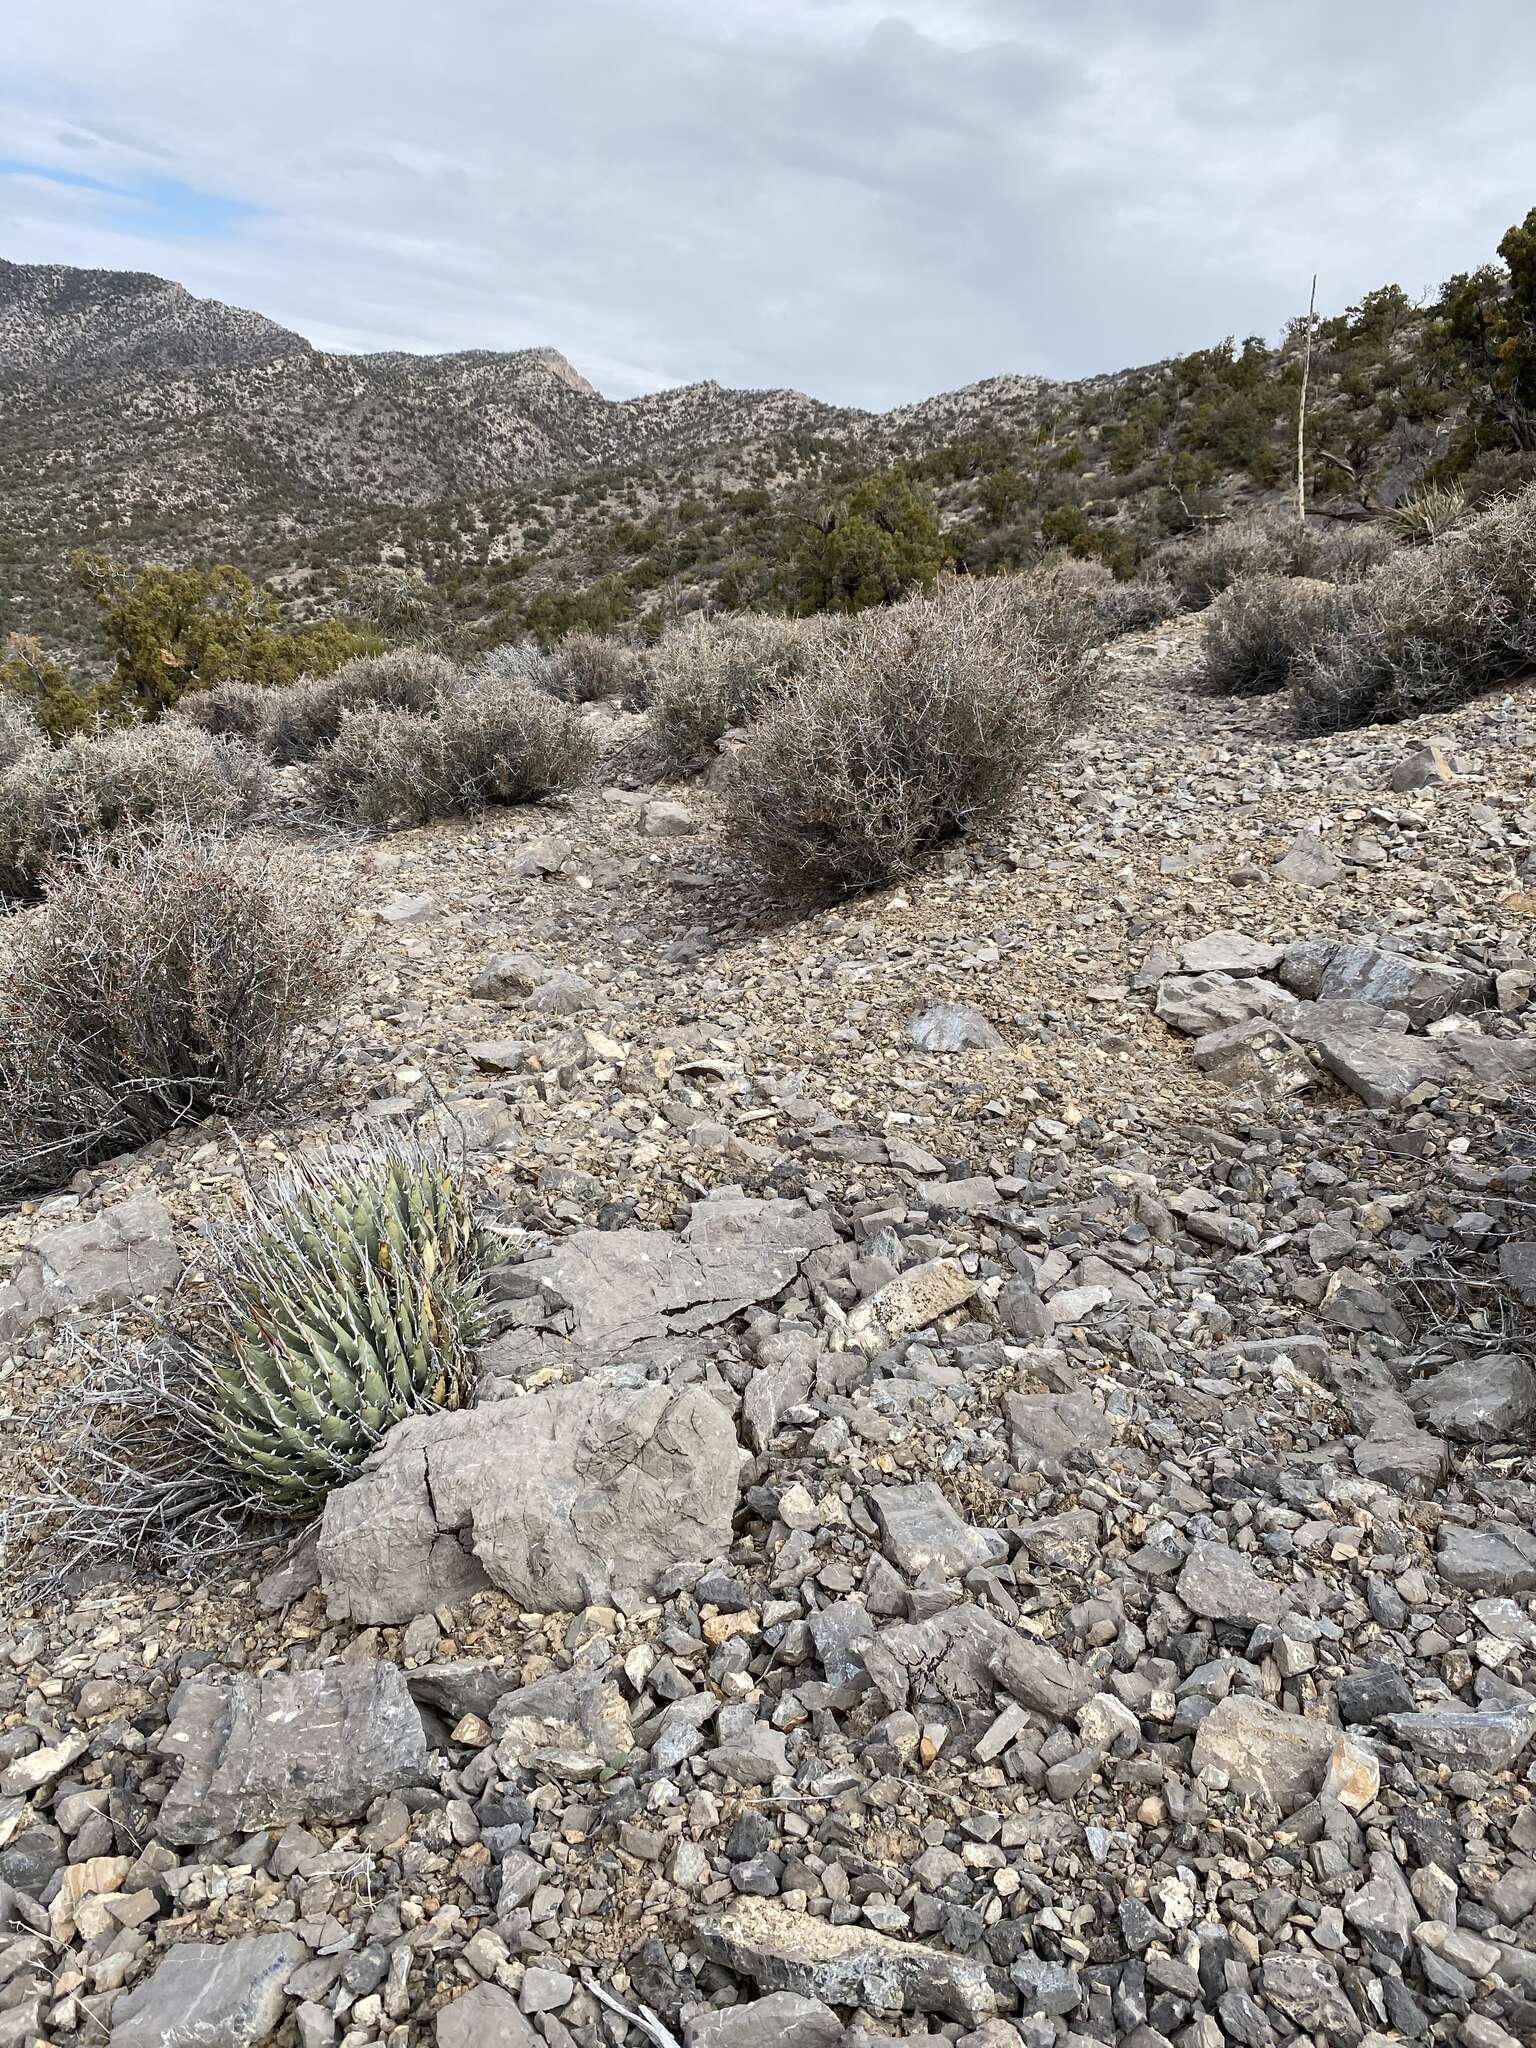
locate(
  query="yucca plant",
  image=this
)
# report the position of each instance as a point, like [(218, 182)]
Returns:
[(353, 1299)]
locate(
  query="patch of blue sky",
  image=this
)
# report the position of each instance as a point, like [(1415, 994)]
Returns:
[(164, 206)]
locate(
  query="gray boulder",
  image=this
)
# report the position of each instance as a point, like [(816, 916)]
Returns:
[(920, 1528), (626, 1285), (1266, 1754), (485, 2017), (211, 1994), (1222, 1585), (1229, 952), (561, 1498), (1198, 1003), (781, 2020), (124, 1255), (292, 1746), (1359, 972), (1495, 1560), (1484, 1400)]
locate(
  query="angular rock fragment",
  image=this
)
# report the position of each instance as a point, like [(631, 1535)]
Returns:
[(485, 2016), (953, 1027), (1485, 1400), (1229, 952), (211, 1994), (292, 1746), (1221, 1584), (561, 1498), (1358, 972), (1307, 863), (848, 1966), (921, 1528), (910, 1302), (1052, 1425), (626, 1285), (1306, 1989), (1266, 1754), (125, 1254), (573, 1724), (1499, 1559), (781, 2020), (1256, 1058), (1198, 1003), (1487, 1741)]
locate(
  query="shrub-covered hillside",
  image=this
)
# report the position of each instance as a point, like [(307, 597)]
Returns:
[(526, 504)]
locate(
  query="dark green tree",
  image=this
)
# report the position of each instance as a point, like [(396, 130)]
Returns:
[(867, 544)]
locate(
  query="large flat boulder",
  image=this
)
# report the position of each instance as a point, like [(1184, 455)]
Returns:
[(561, 1498), (625, 1285), (211, 1994)]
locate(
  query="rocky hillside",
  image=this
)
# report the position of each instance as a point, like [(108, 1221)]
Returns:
[(1000, 1509)]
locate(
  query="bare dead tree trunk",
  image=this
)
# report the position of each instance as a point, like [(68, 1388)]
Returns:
[(1301, 411)]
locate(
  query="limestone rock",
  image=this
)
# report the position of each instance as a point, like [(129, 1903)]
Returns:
[(292, 1746), (561, 1498), (1485, 1400), (781, 2020), (1277, 1757), (1229, 952), (485, 2016), (852, 1966), (626, 1285), (1221, 1584), (953, 1027), (1501, 1559), (916, 1298), (211, 1994), (921, 1528)]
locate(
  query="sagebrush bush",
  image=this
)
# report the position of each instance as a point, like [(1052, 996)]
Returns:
[(914, 724), (1256, 630), (1081, 603), (55, 801), (1434, 627), (710, 675), (20, 732), (1203, 565), (492, 743), (180, 979), (585, 668), (233, 711), (306, 716)]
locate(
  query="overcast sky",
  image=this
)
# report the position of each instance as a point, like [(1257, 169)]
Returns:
[(871, 200)]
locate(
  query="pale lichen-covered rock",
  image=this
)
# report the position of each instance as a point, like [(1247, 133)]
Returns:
[(853, 1966), (1266, 1754), (561, 1498)]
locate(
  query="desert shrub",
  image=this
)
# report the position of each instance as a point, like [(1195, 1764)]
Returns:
[(20, 732), (1434, 627), (1078, 602), (587, 669), (307, 715), (1256, 629), (180, 979), (1346, 551), (56, 801), (238, 711), (915, 724), (1201, 567), (493, 743), (517, 661), (709, 675)]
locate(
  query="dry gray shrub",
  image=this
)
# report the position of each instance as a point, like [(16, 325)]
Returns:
[(20, 732), (172, 978), (493, 743), (913, 725), (1203, 565), (712, 674), (232, 710), (586, 668), (306, 715), (1432, 629), (55, 801), (1083, 601), (1257, 629)]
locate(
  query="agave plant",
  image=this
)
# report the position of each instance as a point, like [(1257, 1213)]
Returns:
[(353, 1299)]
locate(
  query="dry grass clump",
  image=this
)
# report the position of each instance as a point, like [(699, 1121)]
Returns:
[(20, 732), (168, 980), (1432, 629), (1205, 564), (913, 725), (55, 801), (710, 675), (1257, 629), (307, 715), (493, 743)]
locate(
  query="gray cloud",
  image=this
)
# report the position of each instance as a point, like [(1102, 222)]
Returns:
[(870, 199)]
